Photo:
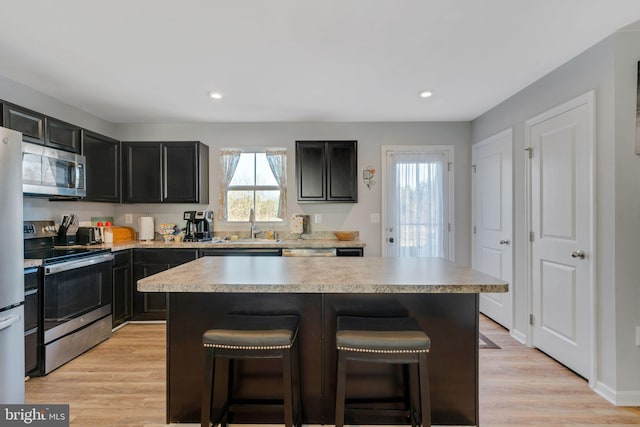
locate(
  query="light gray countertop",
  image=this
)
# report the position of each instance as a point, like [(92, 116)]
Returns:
[(230, 244), (321, 275)]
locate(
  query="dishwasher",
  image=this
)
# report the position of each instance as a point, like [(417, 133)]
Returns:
[(308, 252)]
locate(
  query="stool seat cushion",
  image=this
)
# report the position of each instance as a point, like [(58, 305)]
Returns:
[(380, 334), (249, 331)]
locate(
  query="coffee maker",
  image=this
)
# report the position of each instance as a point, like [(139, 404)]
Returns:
[(199, 226)]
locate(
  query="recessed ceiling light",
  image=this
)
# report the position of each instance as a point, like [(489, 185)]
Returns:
[(425, 94), (215, 95)]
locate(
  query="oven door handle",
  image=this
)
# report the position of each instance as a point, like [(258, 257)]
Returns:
[(70, 265)]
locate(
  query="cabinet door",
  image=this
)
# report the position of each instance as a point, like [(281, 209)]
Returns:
[(349, 252), (63, 136), (180, 161), (241, 252), (121, 305), (102, 167), (310, 171), (30, 123), (152, 305), (142, 172), (342, 174)]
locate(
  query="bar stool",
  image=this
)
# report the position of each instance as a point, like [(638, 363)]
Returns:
[(391, 341), (252, 337)]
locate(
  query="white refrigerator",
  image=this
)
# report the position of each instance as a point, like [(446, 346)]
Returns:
[(11, 269)]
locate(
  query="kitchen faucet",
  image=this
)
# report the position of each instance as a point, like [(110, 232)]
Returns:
[(252, 220)]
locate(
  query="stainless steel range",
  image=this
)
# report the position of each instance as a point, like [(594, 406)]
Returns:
[(75, 309)]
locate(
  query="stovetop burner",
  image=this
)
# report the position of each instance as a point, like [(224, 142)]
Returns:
[(38, 244)]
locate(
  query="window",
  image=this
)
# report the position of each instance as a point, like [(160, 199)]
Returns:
[(253, 179)]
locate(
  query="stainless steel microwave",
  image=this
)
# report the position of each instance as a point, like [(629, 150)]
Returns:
[(47, 171)]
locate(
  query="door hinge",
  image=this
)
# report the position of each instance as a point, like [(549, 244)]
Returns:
[(532, 236), (474, 229), (531, 319), (449, 167), (449, 227), (473, 168), (530, 150)]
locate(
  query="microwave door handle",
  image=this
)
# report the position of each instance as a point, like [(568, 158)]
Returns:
[(73, 172)]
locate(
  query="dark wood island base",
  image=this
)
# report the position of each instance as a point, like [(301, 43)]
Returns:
[(450, 319)]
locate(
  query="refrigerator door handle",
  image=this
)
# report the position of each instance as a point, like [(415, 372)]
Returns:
[(8, 321)]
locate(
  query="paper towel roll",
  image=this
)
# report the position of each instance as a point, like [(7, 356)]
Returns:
[(147, 229)]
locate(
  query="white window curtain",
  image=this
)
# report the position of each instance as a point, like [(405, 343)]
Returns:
[(418, 180), (278, 163), (228, 163)]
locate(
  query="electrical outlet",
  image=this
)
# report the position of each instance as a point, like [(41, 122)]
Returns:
[(128, 218), (374, 218), (317, 218), (638, 336)]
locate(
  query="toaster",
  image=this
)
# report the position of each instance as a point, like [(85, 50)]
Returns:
[(88, 236)]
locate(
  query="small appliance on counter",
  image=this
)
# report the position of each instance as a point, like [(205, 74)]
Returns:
[(67, 231), (147, 228), (88, 236), (199, 226), (299, 224)]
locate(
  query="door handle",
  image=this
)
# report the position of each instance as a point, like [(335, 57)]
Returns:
[(390, 239), (505, 242), (8, 321), (578, 254)]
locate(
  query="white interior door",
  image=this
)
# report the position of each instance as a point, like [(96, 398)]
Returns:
[(417, 199), (492, 221), (562, 204)]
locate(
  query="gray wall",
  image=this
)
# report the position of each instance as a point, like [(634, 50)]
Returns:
[(627, 211), (335, 216), (610, 69)]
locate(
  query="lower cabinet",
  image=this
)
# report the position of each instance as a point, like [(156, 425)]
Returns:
[(241, 252), (153, 305), (349, 252), (32, 329), (121, 304)]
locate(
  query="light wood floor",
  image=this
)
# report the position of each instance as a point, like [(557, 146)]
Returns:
[(122, 383)]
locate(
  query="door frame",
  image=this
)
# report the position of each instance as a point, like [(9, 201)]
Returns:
[(486, 141), (451, 193), (587, 99)]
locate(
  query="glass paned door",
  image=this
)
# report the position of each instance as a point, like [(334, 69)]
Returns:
[(417, 203)]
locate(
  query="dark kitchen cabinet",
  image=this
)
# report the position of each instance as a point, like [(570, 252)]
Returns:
[(32, 329), (61, 135), (102, 167), (326, 171), (30, 123), (122, 302), (153, 305), (165, 172), (241, 252), (37, 128), (349, 252)]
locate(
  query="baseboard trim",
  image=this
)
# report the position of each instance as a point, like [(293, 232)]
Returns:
[(618, 398), (518, 336)]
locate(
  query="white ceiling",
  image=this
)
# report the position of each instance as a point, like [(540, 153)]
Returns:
[(295, 60)]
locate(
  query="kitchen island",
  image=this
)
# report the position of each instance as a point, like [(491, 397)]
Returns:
[(442, 296)]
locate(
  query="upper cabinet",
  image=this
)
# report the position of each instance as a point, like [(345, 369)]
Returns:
[(165, 172), (102, 167), (40, 129), (30, 123), (61, 135), (327, 171)]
